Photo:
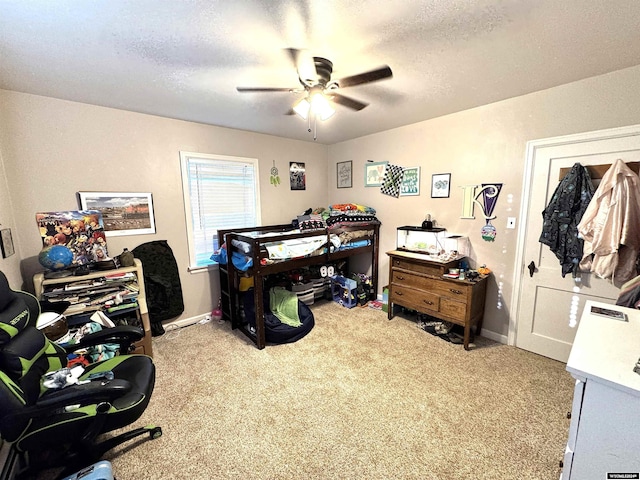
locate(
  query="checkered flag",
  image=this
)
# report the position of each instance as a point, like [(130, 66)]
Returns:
[(392, 180)]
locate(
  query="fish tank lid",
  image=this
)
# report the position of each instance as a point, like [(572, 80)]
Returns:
[(420, 229)]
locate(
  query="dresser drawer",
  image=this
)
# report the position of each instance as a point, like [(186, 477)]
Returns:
[(453, 308), (457, 291), (416, 299), (407, 279), (435, 269)]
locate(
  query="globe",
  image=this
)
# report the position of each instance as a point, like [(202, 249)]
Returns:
[(55, 257)]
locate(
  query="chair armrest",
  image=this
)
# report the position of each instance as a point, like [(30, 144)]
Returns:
[(86, 394), (124, 336)]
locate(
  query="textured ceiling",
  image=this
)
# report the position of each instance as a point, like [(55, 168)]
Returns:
[(185, 59)]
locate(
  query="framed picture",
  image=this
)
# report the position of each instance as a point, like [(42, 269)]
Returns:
[(6, 243), (297, 177), (123, 213), (440, 185), (343, 174), (374, 173), (410, 181)]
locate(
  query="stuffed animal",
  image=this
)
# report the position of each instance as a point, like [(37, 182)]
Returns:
[(63, 377)]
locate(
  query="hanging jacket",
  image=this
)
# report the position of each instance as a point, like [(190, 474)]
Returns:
[(611, 226), (561, 217)]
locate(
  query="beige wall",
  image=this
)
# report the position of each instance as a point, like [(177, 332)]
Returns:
[(10, 265), (52, 149), (482, 145)]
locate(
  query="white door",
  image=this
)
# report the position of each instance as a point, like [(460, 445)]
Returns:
[(548, 306)]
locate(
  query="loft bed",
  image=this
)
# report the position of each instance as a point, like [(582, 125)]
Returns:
[(263, 251)]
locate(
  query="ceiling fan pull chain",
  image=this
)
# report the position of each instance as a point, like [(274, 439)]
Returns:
[(315, 128)]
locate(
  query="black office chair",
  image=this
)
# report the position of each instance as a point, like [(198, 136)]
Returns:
[(49, 428)]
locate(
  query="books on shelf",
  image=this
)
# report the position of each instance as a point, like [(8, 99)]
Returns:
[(109, 293)]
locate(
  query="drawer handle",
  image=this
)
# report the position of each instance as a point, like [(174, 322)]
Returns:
[(457, 292), (428, 302), (400, 277), (398, 293)]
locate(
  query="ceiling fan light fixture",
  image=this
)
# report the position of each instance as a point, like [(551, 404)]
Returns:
[(302, 108), (321, 107)]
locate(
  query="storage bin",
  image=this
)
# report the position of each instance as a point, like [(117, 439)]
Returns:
[(304, 291), (319, 286), (344, 291)]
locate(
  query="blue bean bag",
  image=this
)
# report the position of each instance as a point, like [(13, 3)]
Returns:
[(276, 331)]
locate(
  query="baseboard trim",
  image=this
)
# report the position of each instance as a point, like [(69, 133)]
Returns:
[(496, 337), (185, 322)]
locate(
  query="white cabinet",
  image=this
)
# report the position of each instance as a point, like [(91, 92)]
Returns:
[(604, 434)]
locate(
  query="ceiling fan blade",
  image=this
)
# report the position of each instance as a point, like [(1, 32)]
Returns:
[(265, 89), (346, 101), (367, 77), (305, 66)]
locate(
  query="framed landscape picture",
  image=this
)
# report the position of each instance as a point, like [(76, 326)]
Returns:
[(123, 213)]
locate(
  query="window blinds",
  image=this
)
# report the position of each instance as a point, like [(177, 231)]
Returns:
[(222, 195)]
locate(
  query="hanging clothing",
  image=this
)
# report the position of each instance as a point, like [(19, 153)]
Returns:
[(561, 217), (611, 226), (630, 294), (162, 283)]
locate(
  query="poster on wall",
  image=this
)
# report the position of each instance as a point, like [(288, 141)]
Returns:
[(297, 178), (82, 232), (392, 180), (410, 182), (374, 173)]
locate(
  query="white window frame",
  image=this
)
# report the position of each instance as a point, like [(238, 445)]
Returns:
[(185, 158)]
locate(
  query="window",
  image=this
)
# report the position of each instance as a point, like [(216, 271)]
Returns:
[(219, 192)]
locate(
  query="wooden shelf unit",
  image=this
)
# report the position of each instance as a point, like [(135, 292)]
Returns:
[(143, 346)]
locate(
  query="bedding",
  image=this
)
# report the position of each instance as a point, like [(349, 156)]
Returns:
[(298, 247)]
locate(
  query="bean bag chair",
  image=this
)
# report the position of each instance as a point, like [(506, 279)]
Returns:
[(276, 331)]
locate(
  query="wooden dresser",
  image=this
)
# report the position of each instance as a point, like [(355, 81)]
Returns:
[(416, 282)]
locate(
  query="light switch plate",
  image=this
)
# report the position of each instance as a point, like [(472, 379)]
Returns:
[(511, 222)]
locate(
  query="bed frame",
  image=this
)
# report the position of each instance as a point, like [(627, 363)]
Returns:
[(230, 275)]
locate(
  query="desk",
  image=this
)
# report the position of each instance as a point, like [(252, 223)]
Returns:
[(604, 435)]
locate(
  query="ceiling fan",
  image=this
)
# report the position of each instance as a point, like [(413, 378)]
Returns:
[(314, 75)]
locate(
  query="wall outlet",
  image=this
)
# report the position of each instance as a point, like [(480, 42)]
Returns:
[(511, 222)]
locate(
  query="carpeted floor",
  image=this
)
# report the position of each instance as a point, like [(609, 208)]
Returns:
[(360, 397)]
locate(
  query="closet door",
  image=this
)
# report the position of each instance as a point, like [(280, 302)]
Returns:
[(549, 306)]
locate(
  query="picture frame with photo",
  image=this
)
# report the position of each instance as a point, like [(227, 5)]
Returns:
[(410, 185), (123, 213), (440, 185), (344, 174), (374, 173), (6, 243)]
